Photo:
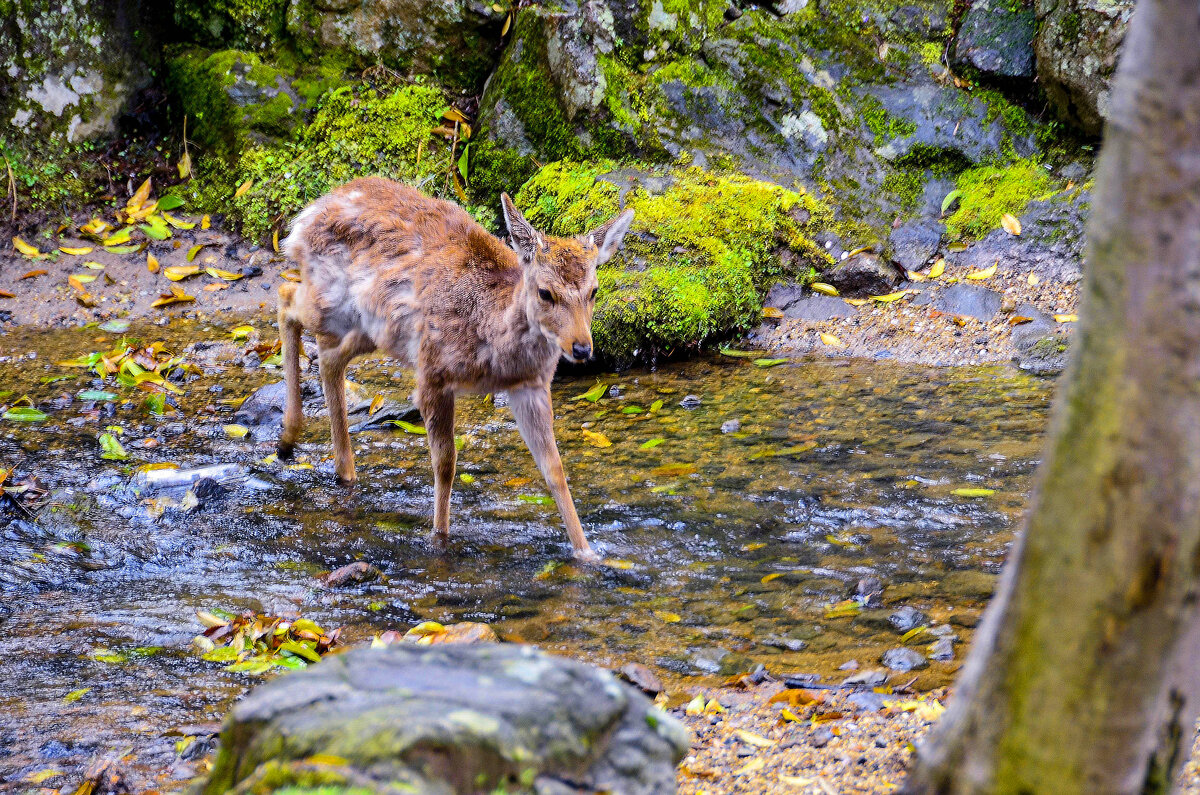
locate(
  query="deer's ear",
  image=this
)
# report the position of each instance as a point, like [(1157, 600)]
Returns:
[(525, 239), (607, 238)]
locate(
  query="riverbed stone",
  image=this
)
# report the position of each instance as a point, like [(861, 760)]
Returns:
[(913, 244), (903, 659), (968, 300), (863, 274), (449, 719), (818, 308), (995, 39), (907, 617)]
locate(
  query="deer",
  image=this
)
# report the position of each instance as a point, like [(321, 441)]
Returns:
[(385, 267)]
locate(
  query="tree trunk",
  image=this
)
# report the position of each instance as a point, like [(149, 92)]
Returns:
[(1085, 674)]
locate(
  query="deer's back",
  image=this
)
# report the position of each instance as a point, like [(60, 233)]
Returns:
[(380, 257)]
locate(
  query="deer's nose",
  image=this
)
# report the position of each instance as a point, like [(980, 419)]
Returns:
[(581, 351)]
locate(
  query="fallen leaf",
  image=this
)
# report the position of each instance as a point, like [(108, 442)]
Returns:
[(75, 695), (913, 276), (1033, 279), (185, 166), (408, 427), (667, 618), (77, 280), (596, 439), (650, 444), (986, 273), (25, 414), (180, 272), (1066, 318), (42, 776), (832, 341), (291, 275), (770, 577), (178, 224), (194, 250), (890, 297), (750, 738), (695, 706), (205, 222), (112, 447), (235, 431), (228, 276), (151, 263), (7, 294), (823, 288), (275, 241), (938, 268), (118, 238), (241, 191), (32, 273), (772, 312), (125, 249), (751, 767), (951, 197), (973, 492), (593, 394), (176, 296), (77, 251), (95, 266), (1018, 320), (1010, 224), (26, 249), (139, 197), (769, 362), (244, 332), (855, 301)]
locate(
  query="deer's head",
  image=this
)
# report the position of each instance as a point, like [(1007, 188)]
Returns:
[(560, 277)]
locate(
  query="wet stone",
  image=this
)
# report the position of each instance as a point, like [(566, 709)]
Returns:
[(996, 39), (862, 275), (642, 678), (500, 718), (963, 299), (907, 618), (690, 402), (351, 574), (942, 650), (866, 700), (819, 308), (913, 244), (904, 659), (870, 678), (821, 737)]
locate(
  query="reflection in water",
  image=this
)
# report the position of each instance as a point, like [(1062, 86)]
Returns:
[(785, 491)]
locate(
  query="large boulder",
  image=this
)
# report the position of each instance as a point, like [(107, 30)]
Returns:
[(995, 40), (1077, 45), (448, 719), (455, 40), (70, 68)]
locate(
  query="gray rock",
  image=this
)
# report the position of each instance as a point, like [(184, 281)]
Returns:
[(715, 660), (963, 299), (690, 402), (913, 244), (866, 700), (781, 296), (821, 737), (903, 659), (942, 650), (446, 719), (731, 426), (861, 275), (870, 678), (1026, 335), (996, 39), (1078, 44), (818, 308), (906, 618), (642, 678)]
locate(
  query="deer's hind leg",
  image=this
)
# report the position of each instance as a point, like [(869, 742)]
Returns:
[(334, 355), (289, 335)]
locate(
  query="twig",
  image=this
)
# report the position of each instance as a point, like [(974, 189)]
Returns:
[(12, 187)]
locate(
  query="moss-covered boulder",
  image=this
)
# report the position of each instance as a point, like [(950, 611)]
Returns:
[(850, 100), (222, 24), (233, 98), (1077, 45), (444, 720), (356, 131), (995, 40), (69, 67), (703, 249)]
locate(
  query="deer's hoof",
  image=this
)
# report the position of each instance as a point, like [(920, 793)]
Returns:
[(285, 449), (587, 555)]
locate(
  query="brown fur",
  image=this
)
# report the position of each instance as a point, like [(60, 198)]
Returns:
[(386, 267)]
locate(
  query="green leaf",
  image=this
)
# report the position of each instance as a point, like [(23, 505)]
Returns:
[(408, 427), (300, 650), (75, 695), (96, 394), (222, 654), (632, 410), (25, 414), (170, 202), (463, 161), (973, 492), (769, 362), (950, 199), (737, 354), (115, 326), (655, 406), (536, 499), (123, 249), (651, 444), (112, 448), (593, 394)]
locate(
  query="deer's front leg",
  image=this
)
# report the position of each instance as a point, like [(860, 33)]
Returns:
[(437, 408), (333, 355), (535, 419)]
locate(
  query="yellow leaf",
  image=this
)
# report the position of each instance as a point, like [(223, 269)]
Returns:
[(822, 287), (25, 248), (176, 296), (205, 222), (194, 250), (832, 341), (77, 280), (667, 618), (616, 563), (596, 439), (291, 275), (713, 707), (772, 312), (178, 224), (788, 715), (507, 24), (236, 431), (245, 186), (185, 166), (1010, 224), (855, 301), (751, 767), (1066, 318), (95, 227), (986, 273), (914, 276), (275, 240), (151, 263), (228, 276), (179, 272), (139, 198), (1033, 280), (695, 706), (751, 738), (95, 266), (890, 298), (119, 237), (770, 577), (75, 251), (42, 776), (243, 332), (938, 268)]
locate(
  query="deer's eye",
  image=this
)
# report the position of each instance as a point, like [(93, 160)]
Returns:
[(545, 295), (592, 297)]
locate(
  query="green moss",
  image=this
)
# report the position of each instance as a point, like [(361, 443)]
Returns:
[(883, 125), (698, 257), (355, 133), (254, 24), (989, 192)]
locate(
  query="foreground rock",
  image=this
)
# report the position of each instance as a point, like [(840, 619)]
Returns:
[(449, 719)]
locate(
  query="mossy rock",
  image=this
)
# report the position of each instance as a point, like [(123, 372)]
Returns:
[(987, 194), (702, 250), (356, 131), (242, 24), (232, 98)]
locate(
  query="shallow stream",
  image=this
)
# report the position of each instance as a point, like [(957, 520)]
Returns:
[(756, 531)]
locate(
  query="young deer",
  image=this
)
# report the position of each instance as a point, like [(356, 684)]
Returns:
[(384, 267)]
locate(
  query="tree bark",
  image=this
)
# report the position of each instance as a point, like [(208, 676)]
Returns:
[(1085, 673)]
